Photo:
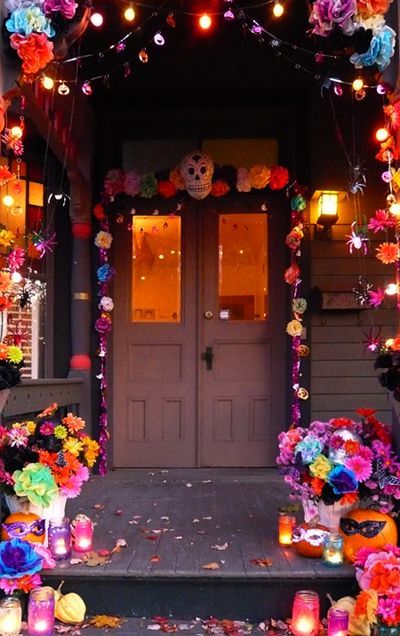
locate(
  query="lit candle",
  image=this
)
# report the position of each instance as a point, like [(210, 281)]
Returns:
[(10, 616), (285, 529), (305, 615), (41, 612), (59, 536), (333, 550), (83, 533), (338, 622)]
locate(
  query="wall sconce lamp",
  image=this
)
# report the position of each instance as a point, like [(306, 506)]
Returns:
[(327, 213)]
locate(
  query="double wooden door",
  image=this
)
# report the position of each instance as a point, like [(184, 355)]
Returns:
[(198, 366)]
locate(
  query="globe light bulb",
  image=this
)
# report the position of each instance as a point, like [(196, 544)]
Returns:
[(130, 14), (8, 200), (16, 132), (205, 21), (16, 277), (47, 82), (96, 19), (389, 342), (358, 84), (395, 209), (391, 289), (278, 9), (382, 134), (143, 56), (159, 39)]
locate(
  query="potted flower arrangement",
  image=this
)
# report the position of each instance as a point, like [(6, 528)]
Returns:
[(332, 466), (44, 462)]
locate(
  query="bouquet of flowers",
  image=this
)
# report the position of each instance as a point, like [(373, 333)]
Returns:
[(378, 575), (342, 460), (20, 563), (39, 459)]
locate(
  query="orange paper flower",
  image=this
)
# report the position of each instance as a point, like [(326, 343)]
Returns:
[(166, 188), (35, 51), (259, 176), (366, 605), (387, 253), (219, 188), (372, 7)]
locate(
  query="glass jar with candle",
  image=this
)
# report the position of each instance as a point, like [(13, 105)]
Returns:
[(333, 550), (286, 526), (10, 616), (338, 621), (59, 538), (305, 615), (41, 612), (83, 533)]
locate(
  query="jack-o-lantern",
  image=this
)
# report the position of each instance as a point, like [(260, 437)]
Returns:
[(25, 526), (364, 528), (308, 539)]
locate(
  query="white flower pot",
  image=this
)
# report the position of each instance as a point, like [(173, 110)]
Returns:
[(329, 516), (56, 510)]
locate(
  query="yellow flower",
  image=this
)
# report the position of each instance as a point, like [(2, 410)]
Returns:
[(15, 354), (60, 432), (73, 446), (91, 451), (6, 238), (294, 328), (321, 467), (31, 426), (5, 282), (259, 176)]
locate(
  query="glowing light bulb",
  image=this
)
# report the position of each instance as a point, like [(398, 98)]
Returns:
[(205, 21), (96, 19), (358, 84), (63, 89), (16, 132), (395, 208), (143, 56), (47, 82), (159, 39), (87, 88), (8, 200), (389, 342), (16, 277), (382, 134), (391, 289), (278, 9), (130, 14)]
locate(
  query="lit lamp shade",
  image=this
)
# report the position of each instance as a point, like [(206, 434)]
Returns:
[(328, 209)]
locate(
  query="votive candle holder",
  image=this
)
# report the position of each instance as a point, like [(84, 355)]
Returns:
[(59, 538), (83, 533), (333, 550), (286, 525), (10, 616), (305, 614), (41, 607), (338, 622)]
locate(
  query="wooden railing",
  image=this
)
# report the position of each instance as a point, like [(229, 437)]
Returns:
[(32, 396)]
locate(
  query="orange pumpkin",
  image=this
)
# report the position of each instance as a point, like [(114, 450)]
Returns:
[(25, 526), (308, 539), (362, 528)]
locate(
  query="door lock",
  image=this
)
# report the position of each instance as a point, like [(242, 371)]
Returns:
[(208, 315), (208, 356)]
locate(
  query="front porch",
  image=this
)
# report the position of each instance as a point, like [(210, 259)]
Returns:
[(172, 521)]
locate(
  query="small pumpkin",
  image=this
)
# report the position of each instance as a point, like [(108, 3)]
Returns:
[(357, 625), (308, 539), (70, 608), (365, 528), (25, 526)]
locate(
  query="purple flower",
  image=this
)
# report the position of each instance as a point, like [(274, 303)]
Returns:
[(17, 559), (103, 324), (66, 7), (329, 13), (342, 480)]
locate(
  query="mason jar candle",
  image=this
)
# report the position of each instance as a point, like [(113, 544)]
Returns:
[(286, 525), (59, 538), (10, 616), (83, 533), (41, 606), (305, 614), (333, 549), (338, 622)]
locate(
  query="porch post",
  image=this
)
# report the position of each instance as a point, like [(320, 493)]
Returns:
[(80, 363)]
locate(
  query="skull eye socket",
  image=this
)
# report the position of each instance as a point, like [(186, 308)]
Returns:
[(203, 170), (191, 171)]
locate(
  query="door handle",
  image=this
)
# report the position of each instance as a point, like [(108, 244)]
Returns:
[(208, 356)]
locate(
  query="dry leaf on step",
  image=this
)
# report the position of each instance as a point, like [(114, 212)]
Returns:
[(103, 621), (211, 566), (222, 547)]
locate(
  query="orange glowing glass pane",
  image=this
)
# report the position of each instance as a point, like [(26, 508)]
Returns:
[(35, 194), (243, 267), (156, 269)]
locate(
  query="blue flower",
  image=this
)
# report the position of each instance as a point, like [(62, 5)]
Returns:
[(342, 480), (17, 559), (380, 50), (105, 273), (309, 448), (29, 20)]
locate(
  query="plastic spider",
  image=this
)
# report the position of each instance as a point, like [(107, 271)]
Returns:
[(358, 239), (357, 180), (372, 343), (59, 196)]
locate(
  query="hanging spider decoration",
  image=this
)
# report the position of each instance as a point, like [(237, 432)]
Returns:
[(16, 334), (358, 180), (358, 239), (361, 291), (43, 242), (59, 196), (31, 292), (372, 342)]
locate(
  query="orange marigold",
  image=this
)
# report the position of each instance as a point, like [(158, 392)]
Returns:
[(49, 411), (387, 253), (372, 7), (351, 447), (73, 423), (5, 282), (3, 351), (396, 344)]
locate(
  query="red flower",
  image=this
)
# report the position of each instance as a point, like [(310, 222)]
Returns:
[(166, 188), (219, 188), (5, 173), (35, 51), (279, 178), (342, 422), (365, 412), (99, 212), (292, 273)]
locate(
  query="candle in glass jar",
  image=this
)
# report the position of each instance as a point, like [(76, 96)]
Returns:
[(305, 615), (285, 529), (83, 533), (59, 537), (333, 549), (10, 616), (41, 612), (338, 622)]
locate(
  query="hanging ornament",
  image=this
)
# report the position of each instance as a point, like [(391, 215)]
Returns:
[(359, 95), (171, 20), (63, 89), (143, 56), (338, 90), (87, 88), (159, 39)]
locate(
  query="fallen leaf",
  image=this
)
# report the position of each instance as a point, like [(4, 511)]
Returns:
[(189, 485), (74, 630), (206, 481), (201, 532), (155, 558), (164, 518), (103, 553), (196, 521), (222, 547), (75, 561), (178, 538), (93, 559), (118, 512), (211, 566), (154, 627), (99, 506), (262, 563), (207, 518), (103, 621), (152, 537)]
